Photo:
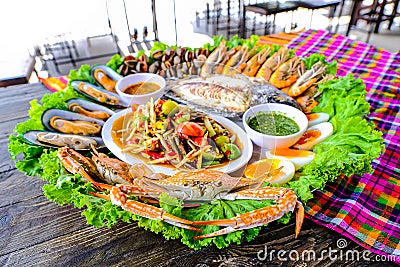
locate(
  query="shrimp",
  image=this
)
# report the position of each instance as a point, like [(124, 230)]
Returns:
[(220, 67), (254, 63), (288, 73), (213, 59), (307, 100), (237, 62), (306, 80), (272, 63)]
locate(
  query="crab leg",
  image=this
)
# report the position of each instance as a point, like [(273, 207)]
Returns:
[(131, 190), (119, 196), (286, 201), (70, 160)]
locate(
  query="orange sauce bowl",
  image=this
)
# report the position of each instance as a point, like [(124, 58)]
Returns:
[(139, 88)]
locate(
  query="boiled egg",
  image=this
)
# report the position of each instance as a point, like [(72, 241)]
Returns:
[(316, 118), (299, 158), (273, 171), (314, 135)]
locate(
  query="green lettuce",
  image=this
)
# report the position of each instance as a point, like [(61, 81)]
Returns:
[(216, 42), (331, 67), (82, 74), (235, 41), (115, 61), (18, 145), (353, 144)]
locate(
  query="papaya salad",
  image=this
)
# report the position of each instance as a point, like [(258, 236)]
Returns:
[(167, 133)]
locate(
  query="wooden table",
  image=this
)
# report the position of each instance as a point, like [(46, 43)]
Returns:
[(37, 232), (16, 70)]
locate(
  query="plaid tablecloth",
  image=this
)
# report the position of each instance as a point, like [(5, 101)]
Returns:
[(365, 209)]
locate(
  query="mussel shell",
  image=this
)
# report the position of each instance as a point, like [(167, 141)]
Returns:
[(141, 66), (153, 68), (101, 90), (89, 105), (157, 54), (267, 93), (31, 137), (67, 115), (109, 71)]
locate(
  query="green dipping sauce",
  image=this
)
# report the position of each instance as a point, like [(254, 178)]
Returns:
[(273, 123)]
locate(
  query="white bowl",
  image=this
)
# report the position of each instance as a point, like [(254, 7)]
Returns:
[(136, 78), (270, 141)]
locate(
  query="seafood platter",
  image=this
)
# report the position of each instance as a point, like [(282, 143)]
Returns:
[(183, 165)]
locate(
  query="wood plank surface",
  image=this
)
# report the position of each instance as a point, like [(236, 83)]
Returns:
[(37, 232), (14, 103)]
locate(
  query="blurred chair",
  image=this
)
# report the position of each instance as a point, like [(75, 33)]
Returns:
[(60, 49), (269, 8), (71, 48), (227, 18), (319, 4), (144, 43), (373, 13), (137, 45), (220, 17)]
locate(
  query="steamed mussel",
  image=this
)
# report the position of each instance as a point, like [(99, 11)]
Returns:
[(96, 93), (55, 140), (89, 109), (74, 127), (71, 123), (106, 77)]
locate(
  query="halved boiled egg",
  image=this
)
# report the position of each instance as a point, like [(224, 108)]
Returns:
[(316, 118), (314, 135), (273, 170), (299, 158)]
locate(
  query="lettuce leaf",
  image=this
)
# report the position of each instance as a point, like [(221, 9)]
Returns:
[(29, 163), (115, 61), (343, 87), (354, 143), (233, 42), (216, 42), (82, 74), (331, 67), (356, 135)]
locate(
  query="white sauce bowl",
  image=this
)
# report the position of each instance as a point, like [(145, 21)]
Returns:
[(271, 141)]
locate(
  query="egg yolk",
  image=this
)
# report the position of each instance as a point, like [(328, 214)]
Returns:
[(260, 168), (308, 136), (287, 152), (311, 117)]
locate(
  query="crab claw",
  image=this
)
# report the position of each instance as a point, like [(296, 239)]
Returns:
[(243, 221), (71, 160), (286, 202), (299, 217), (119, 196), (154, 213)]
